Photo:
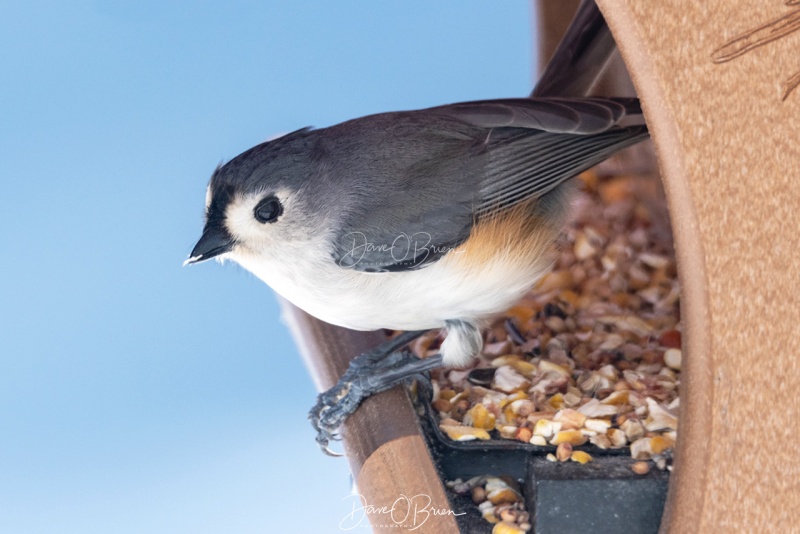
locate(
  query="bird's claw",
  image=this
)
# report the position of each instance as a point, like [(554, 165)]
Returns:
[(369, 373), (326, 423), (359, 382)]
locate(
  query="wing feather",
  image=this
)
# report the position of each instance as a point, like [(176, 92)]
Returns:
[(437, 171)]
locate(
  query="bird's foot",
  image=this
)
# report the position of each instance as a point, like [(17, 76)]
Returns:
[(368, 374)]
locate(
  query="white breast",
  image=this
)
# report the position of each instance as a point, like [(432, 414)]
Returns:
[(460, 286)]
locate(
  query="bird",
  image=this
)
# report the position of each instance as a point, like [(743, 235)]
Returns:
[(413, 220)]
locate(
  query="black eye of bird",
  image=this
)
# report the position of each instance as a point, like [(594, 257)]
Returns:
[(268, 210)]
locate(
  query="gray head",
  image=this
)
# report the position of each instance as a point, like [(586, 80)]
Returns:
[(263, 199)]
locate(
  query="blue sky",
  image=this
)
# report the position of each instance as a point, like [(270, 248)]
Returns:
[(137, 395)]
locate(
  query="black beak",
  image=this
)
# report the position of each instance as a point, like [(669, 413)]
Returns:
[(214, 241)]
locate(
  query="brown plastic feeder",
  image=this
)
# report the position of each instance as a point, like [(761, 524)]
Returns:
[(716, 80)]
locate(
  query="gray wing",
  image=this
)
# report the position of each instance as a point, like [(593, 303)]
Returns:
[(434, 172)]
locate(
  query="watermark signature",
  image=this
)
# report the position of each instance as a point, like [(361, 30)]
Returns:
[(409, 512), (409, 250)]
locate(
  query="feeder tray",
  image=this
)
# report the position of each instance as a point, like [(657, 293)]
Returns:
[(562, 497)]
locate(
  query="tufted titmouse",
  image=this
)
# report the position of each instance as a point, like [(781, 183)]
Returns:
[(435, 218)]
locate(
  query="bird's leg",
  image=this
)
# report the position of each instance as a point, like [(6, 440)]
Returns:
[(369, 373)]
